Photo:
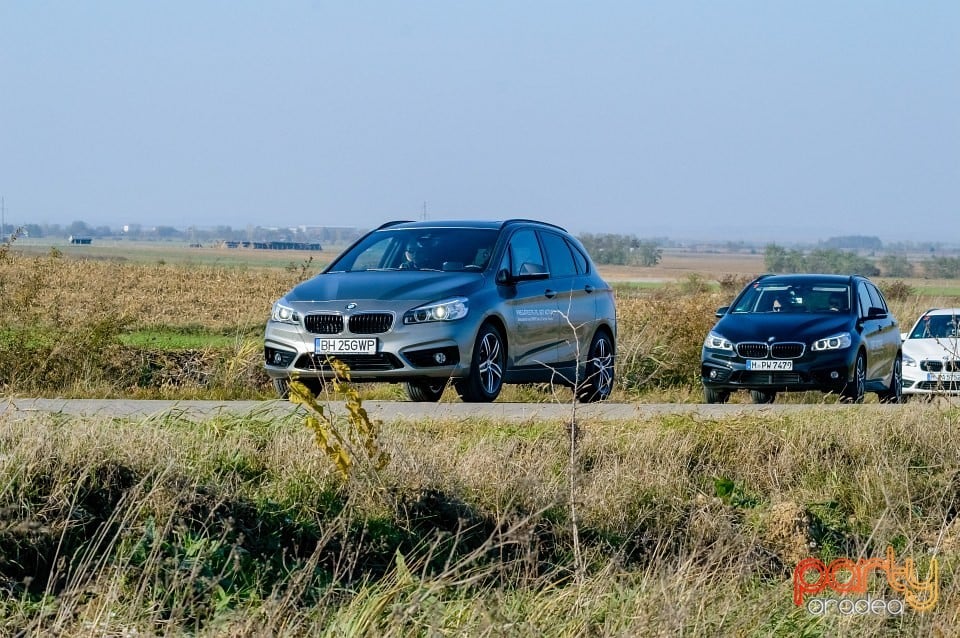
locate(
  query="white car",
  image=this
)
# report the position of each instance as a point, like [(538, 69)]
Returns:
[(931, 353)]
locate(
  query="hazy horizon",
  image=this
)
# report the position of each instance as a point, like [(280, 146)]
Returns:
[(693, 121)]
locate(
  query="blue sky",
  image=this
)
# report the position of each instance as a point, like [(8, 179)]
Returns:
[(731, 120)]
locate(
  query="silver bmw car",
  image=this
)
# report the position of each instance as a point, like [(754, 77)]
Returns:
[(472, 303)]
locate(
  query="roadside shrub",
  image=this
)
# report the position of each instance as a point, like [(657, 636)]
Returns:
[(731, 284), (898, 290), (660, 337)]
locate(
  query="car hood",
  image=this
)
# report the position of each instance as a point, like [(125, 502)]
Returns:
[(778, 326), (937, 349), (411, 286)]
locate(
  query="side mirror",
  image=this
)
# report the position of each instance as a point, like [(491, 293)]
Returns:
[(903, 336), (722, 310), (876, 313)]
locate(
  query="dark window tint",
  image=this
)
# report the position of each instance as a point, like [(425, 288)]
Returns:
[(558, 255), (876, 299), (864, 296), (525, 254), (582, 266)]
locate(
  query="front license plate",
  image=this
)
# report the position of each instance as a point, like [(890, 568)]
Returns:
[(944, 377), (329, 345), (769, 364)]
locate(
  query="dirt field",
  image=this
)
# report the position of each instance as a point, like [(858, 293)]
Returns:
[(678, 265)]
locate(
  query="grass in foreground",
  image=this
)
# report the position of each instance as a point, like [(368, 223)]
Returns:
[(239, 526)]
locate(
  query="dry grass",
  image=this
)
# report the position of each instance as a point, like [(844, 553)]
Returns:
[(63, 317), (689, 526)]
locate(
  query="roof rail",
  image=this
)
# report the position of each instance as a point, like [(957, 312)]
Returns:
[(520, 220), (393, 223)]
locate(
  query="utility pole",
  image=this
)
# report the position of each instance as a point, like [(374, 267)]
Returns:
[(3, 219), (424, 211)]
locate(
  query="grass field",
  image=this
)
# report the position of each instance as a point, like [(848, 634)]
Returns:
[(243, 526), (661, 526)]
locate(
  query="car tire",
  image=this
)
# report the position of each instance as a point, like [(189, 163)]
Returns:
[(894, 394), (711, 395), (854, 390), (598, 371), (485, 380), (425, 391), (763, 396), (282, 386)]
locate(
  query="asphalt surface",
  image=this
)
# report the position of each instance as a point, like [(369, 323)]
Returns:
[(386, 411)]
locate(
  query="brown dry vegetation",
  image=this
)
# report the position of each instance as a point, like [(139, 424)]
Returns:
[(64, 318), (240, 526)]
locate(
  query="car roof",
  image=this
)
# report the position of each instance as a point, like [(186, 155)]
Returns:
[(465, 223), (941, 311), (808, 278)]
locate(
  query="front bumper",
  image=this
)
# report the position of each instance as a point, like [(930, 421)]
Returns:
[(436, 350), (916, 381), (823, 371)]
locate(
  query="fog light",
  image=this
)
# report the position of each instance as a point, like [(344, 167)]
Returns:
[(834, 375), (713, 374), (277, 358), (440, 358)]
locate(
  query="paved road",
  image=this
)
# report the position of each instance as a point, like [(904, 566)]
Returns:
[(387, 411)]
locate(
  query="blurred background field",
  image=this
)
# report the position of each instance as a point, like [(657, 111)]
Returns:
[(171, 321)]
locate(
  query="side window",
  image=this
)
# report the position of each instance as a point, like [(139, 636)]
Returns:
[(876, 299), (864, 296), (578, 257), (558, 255), (525, 254)]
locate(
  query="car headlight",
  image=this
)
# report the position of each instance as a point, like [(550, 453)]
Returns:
[(716, 341), (909, 361), (284, 314), (449, 310), (834, 342)]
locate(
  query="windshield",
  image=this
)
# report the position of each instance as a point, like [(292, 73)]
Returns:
[(786, 297), (439, 249), (936, 327)]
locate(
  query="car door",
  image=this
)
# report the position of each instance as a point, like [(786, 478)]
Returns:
[(531, 305), (872, 332), (889, 331), (575, 303)]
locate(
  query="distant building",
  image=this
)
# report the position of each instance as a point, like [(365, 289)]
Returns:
[(80, 241), (273, 245)]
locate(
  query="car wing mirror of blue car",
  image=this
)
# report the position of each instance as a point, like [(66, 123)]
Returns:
[(722, 310), (876, 313)]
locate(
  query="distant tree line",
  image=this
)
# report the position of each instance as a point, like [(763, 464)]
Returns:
[(942, 267), (622, 250), (781, 260), (853, 242), (823, 260), (331, 235)]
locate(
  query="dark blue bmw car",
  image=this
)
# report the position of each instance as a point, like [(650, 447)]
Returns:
[(783, 333)]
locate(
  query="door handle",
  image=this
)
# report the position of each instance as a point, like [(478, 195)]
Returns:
[(549, 294)]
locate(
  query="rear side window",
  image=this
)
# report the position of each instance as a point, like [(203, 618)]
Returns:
[(559, 256), (578, 257), (876, 299)]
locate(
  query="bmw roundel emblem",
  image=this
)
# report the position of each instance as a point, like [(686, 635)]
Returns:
[(351, 306)]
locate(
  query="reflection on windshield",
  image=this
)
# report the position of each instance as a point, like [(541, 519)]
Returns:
[(793, 299), (431, 249), (937, 327)]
